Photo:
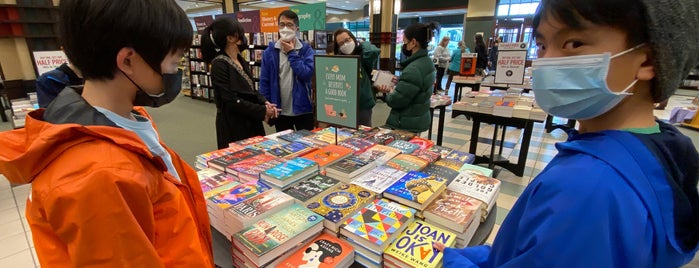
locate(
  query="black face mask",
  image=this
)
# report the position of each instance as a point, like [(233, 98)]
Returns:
[(172, 85), (405, 50), (243, 44)]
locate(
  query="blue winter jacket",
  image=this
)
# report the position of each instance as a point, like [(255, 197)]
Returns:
[(50, 83), (301, 62), (608, 199)]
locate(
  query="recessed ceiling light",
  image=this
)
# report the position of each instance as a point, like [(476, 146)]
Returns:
[(347, 2)]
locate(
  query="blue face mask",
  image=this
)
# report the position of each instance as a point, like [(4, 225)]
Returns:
[(576, 87)]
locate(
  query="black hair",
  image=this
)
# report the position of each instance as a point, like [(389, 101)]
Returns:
[(289, 15), (421, 32), (626, 15), (219, 30), (93, 32), (336, 47), (479, 41)]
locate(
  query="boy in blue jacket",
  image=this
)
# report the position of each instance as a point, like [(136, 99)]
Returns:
[(622, 191)]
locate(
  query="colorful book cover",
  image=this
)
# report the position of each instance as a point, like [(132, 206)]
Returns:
[(450, 164), (366, 132), (259, 204), (210, 179), (462, 157), (224, 187), (289, 168), (381, 138), (237, 194), (248, 164), (443, 151), (342, 202), (477, 169), (477, 186), (348, 165), (417, 187), (324, 251), (222, 162), (379, 178), (378, 221), (328, 154), (441, 172), (404, 146), (265, 145), (402, 134), (251, 141), (414, 245), (254, 172), (268, 234), (311, 187), (295, 135), (422, 142), (455, 207), (407, 162), (296, 148), (380, 153), (356, 144), (428, 155)]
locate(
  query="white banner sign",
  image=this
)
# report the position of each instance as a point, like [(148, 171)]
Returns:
[(511, 60), (48, 60)]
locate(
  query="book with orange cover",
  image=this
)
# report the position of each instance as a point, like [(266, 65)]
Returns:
[(327, 155), (324, 251)]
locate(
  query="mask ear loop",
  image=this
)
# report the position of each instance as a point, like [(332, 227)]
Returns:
[(627, 51), (211, 36)]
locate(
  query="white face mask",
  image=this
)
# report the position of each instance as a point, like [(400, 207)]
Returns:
[(348, 48), (287, 34)]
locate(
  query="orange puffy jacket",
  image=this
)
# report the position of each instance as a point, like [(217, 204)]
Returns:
[(99, 197)]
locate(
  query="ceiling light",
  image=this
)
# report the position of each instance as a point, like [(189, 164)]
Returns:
[(347, 2)]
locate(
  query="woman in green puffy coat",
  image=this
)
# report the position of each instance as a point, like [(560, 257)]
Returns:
[(410, 98)]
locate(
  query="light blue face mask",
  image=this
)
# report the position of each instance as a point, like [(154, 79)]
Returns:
[(576, 87)]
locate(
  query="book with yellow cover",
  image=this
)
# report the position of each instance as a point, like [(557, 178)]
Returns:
[(414, 246)]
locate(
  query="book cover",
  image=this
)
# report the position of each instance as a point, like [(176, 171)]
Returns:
[(379, 178), (295, 135), (356, 144), (455, 207), (461, 157), (237, 194), (210, 179), (250, 141), (366, 132), (296, 148), (440, 171), (422, 142), (477, 186), (380, 153), (248, 164), (443, 151), (289, 168), (414, 245), (311, 187), (378, 221), (265, 145), (402, 134), (404, 146), (219, 189), (407, 162), (450, 164), (429, 156), (259, 204), (222, 162), (268, 234), (342, 202), (476, 169), (348, 165), (381, 138), (328, 154), (324, 251), (254, 172), (417, 187)]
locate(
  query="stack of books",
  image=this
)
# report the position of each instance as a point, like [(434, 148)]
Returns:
[(324, 251), (339, 204), (210, 179), (230, 195), (357, 164), (224, 161), (244, 166), (485, 189), (202, 160), (379, 178), (253, 174), (284, 175), (308, 190), (328, 155), (407, 162), (413, 248), (251, 210), (357, 145), (455, 212), (372, 229), (404, 146), (292, 149), (416, 189)]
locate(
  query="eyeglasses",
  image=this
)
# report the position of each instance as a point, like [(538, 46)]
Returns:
[(287, 25)]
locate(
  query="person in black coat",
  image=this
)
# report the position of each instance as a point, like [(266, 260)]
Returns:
[(240, 109), (482, 60)]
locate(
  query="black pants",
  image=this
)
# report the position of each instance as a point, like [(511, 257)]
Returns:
[(304, 121), (440, 75)]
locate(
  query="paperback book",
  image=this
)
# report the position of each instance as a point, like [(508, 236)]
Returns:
[(485, 189), (253, 174), (416, 189), (454, 210), (260, 206), (377, 224), (406, 162), (324, 251), (422, 142), (443, 151), (339, 204), (222, 162), (379, 178), (357, 145), (404, 146), (414, 246), (429, 156), (296, 135), (245, 165), (476, 169), (289, 172), (328, 155), (223, 200), (309, 189), (210, 179)]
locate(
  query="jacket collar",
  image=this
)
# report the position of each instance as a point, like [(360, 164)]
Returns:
[(419, 54), (70, 107)]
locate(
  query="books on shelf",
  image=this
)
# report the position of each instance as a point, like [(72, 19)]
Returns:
[(251, 210), (407, 162), (413, 248), (224, 161), (307, 190), (289, 172), (480, 187), (377, 225), (328, 155), (324, 251), (415, 189), (269, 238), (379, 178), (339, 204)]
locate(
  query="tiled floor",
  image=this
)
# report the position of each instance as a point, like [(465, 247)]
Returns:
[(16, 245)]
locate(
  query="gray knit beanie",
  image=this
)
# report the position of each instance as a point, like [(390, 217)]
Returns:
[(674, 38)]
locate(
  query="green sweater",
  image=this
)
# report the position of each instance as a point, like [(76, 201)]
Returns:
[(370, 57), (410, 100)]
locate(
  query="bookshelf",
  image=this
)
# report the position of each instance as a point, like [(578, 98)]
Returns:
[(199, 73), (692, 80)]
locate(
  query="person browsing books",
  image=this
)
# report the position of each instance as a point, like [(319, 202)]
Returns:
[(285, 78), (410, 98), (240, 109), (455, 64), (106, 191), (347, 44), (442, 56), (50, 83), (482, 52), (622, 190)]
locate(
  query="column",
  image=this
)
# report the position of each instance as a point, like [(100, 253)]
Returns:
[(480, 18), (383, 20)]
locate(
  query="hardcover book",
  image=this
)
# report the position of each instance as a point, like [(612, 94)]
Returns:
[(210, 179), (309, 189), (357, 145), (247, 212), (324, 251), (422, 142), (348, 168), (404, 146), (416, 189), (339, 204), (414, 246), (429, 156), (222, 162), (271, 237), (234, 195), (440, 171), (248, 164), (480, 187), (289, 170), (443, 151), (377, 224), (379, 178), (460, 157), (254, 172), (327, 155), (407, 162), (454, 210)]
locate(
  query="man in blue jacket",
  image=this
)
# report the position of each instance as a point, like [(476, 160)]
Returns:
[(622, 191), (50, 83), (285, 79)]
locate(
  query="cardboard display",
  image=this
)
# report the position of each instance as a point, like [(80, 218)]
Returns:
[(337, 89), (48, 60), (511, 63)]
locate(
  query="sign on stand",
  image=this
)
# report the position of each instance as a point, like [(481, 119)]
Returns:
[(511, 60), (48, 60), (337, 90)]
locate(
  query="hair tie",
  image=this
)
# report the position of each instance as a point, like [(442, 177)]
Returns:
[(211, 36)]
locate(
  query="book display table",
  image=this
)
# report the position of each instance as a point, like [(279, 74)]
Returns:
[(464, 81)]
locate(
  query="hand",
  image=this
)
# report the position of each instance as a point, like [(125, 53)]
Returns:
[(438, 246), (287, 45), (385, 89), (270, 112)]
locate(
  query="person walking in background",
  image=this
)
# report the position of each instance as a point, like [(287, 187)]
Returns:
[(50, 83), (285, 78), (240, 108), (441, 54), (482, 59), (347, 44), (105, 190), (622, 190), (410, 99), (455, 64), (493, 55)]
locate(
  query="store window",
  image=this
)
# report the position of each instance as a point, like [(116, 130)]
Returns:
[(509, 8)]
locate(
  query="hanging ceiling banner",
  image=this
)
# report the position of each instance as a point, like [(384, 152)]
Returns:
[(250, 20), (202, 22), (311, 16)]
